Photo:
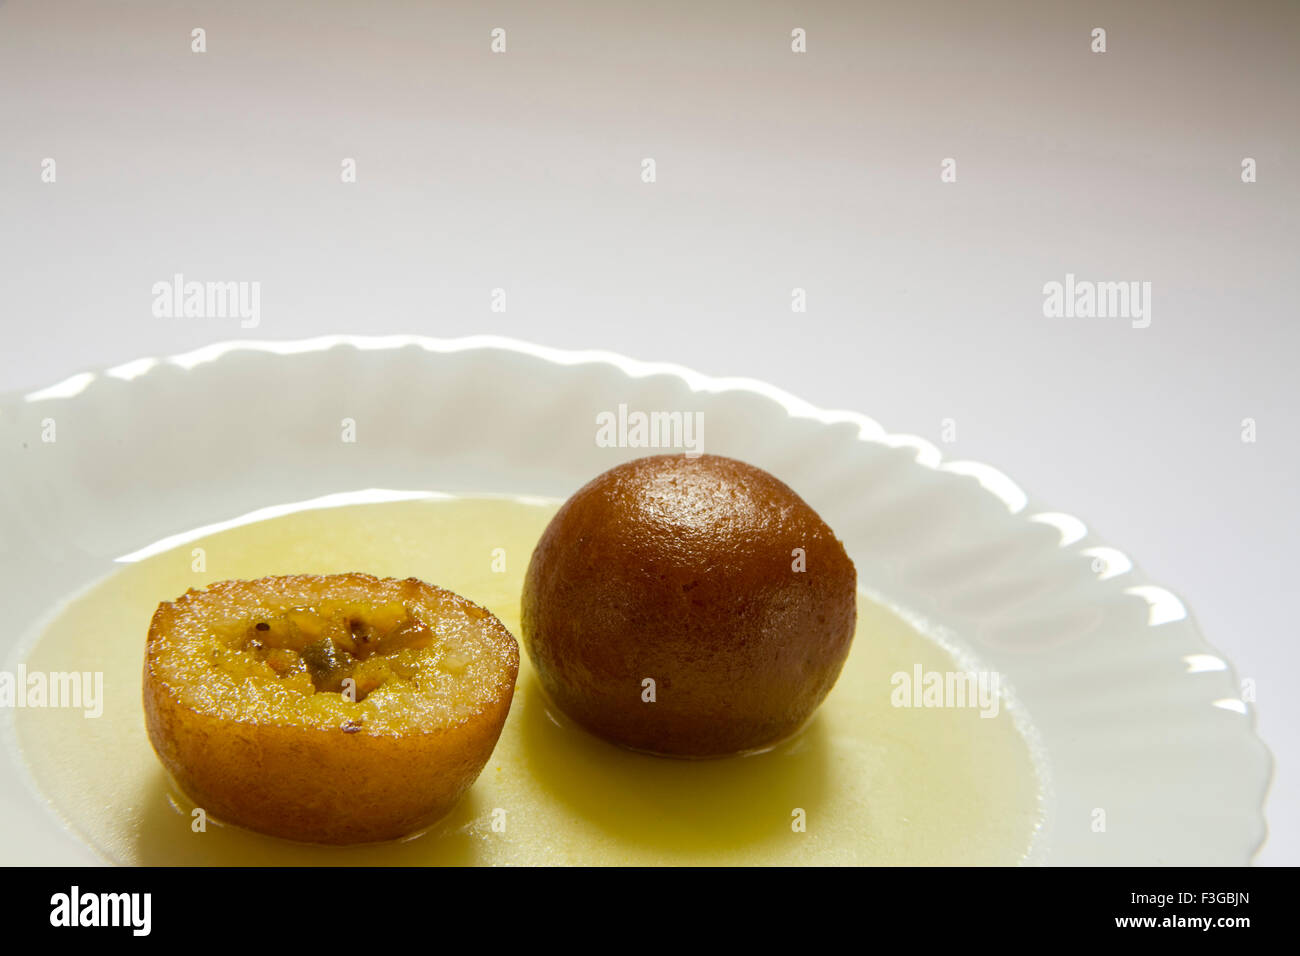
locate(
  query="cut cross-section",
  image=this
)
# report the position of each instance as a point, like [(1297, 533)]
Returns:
[(331, 709)]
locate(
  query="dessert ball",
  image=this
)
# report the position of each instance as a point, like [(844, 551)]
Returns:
[(692, 607), (338, 708)]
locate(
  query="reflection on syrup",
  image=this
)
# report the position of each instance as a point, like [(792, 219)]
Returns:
[(875, 784), (665, 805)]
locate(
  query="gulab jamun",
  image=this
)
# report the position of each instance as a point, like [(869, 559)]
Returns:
[(690, 607), (337, 708)]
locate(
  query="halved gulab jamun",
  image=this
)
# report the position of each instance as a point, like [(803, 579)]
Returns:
[(338, 708)]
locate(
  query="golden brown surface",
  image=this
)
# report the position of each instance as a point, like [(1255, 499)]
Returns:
[(337, 708), (683, 571)]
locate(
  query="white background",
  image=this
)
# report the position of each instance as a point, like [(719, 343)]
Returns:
[(775, 170)]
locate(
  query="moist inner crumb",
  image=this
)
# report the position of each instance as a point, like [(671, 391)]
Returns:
[(345, 647)]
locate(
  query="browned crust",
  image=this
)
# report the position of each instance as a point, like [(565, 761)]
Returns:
[(680, 570)]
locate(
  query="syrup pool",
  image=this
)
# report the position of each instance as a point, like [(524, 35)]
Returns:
[(871, 782)]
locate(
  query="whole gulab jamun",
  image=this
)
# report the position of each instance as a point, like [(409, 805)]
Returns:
[(691, 607)]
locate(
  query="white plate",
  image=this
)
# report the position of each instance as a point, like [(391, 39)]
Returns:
[(1136, 715)]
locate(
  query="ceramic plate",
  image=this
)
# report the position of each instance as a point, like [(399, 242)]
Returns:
[(1133, 713)]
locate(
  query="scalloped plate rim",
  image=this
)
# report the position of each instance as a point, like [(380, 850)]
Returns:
[(926, 453)]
